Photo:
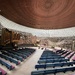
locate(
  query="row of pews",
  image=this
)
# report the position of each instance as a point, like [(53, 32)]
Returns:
[(65, 53), (54, 62), (7, 57)]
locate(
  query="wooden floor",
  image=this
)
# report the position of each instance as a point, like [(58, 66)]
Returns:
[(27, 66)]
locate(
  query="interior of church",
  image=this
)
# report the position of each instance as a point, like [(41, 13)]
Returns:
[(37, 37)]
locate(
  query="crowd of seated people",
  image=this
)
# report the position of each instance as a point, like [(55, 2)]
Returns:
[(7, 57), (54, 62)]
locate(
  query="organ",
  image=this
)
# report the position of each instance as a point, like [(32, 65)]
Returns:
[(8, 37)]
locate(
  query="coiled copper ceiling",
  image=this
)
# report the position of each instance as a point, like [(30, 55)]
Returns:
[(42, 14)]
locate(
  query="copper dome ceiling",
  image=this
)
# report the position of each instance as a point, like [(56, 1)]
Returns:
[(42, 14)]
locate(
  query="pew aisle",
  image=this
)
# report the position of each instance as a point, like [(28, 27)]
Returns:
[(27, 66)]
